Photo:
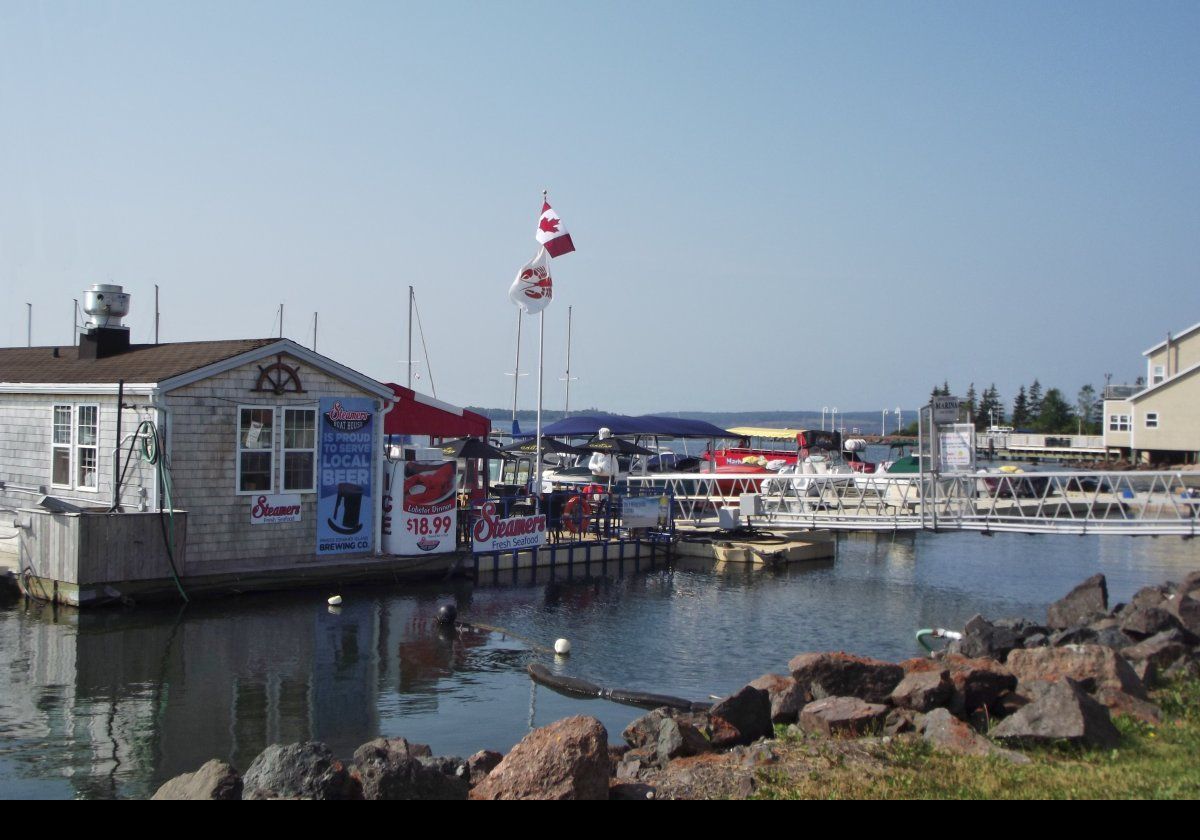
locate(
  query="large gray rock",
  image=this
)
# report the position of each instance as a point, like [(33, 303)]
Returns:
[(1186, 609), (983, 638), (482, 763), (394, 769), (1144, 622), (1064, 713), (679, 739), (1084, 604), (1160, 650), (843, 716), (845, 675), (304, 770), (787, 698), (566, 760), (923, 690), (215, 780), (749, 711), (1150, 596), (946, 733)]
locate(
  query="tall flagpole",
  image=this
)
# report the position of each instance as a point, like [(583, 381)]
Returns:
[(567, 400), (537, 458), (517, 370)]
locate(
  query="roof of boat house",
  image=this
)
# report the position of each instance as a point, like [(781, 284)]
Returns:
[(140, 363), (168, 365)]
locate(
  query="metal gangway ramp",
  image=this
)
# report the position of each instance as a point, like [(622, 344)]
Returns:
[(1131, 503)]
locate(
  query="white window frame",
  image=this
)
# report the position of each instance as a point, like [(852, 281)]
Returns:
[(1118, 422), (73, 447), (240, 448), (1153, 420), (285, 450), (79, 447), (68, 445), (1158, 373)]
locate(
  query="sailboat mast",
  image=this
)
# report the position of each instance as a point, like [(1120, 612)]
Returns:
[(410, 358), (567, 401)]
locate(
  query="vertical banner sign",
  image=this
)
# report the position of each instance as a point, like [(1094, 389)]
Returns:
[(345, 510), (429, 513)]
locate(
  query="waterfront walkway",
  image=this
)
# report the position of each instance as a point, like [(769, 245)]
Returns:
[(1150, 503)]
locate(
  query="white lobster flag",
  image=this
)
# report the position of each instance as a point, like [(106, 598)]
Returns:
[(533, 288)]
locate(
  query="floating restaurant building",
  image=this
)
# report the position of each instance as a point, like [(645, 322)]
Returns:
[(225, 464), (1160, 422)]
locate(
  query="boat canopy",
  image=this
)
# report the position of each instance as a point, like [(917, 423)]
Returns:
[(647, 424), (766, 432)]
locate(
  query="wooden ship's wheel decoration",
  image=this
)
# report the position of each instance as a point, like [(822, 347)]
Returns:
[(279, 378)]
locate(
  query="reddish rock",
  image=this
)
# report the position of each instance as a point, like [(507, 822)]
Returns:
[(787, 699), (946, 733), (1084, 604), (1120, 703), (1092, 666), (749, 711), (923, 690), (566, 760), (842, 716), (978, 683), (842, 674)]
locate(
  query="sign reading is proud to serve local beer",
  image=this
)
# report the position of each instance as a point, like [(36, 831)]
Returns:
[(517, 532), (345, 510)]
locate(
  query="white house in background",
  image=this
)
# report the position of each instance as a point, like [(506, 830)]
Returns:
[(1161, 422)]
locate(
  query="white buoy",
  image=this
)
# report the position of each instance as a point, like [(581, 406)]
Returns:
[(335, 601), (562, 647)]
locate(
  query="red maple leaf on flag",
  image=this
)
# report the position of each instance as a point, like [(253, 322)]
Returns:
[(548, 225)]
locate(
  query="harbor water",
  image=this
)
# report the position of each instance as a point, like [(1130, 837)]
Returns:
[(111, 703)]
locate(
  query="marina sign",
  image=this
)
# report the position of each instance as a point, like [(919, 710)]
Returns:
[(945, 409)]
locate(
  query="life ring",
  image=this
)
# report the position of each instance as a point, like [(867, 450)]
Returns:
[(576, 513)]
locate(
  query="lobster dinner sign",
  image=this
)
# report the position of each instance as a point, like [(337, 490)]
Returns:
[(428, 520), (518, 532)]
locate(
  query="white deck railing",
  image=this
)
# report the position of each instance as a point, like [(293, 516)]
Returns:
[(1058, 502)]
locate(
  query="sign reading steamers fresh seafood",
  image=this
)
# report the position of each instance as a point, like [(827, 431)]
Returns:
[(344, 505), (494, 534)]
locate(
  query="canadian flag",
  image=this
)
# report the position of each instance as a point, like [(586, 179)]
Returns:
[(533, 288), (551, 234)]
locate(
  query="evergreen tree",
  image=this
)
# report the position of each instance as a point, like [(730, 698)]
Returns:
[(1035, 402), (969, 403), (1020, 413), (991, 409), (1056, 416)]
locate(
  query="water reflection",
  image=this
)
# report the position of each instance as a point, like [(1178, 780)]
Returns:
[(111, 703)]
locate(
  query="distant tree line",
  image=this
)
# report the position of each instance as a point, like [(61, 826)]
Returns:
[(1033, 409)]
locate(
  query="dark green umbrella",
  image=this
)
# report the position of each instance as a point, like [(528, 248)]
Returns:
[(616, 446), (471, 448), (549, 445)]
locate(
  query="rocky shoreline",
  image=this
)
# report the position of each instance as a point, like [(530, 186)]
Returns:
[(1006, 685)]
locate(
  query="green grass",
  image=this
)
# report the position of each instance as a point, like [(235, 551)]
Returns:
[(1152, 762)]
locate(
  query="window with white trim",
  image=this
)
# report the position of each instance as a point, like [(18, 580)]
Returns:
[(87, 439), (1118, 423), (1158, 375), (256, 449), (299, 449), (60, 446), (1151, 419), (75, 446)]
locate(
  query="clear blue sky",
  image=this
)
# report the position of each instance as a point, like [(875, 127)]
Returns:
[(775, 205)]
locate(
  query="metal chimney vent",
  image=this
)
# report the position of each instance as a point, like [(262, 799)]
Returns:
[(106, 305)]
